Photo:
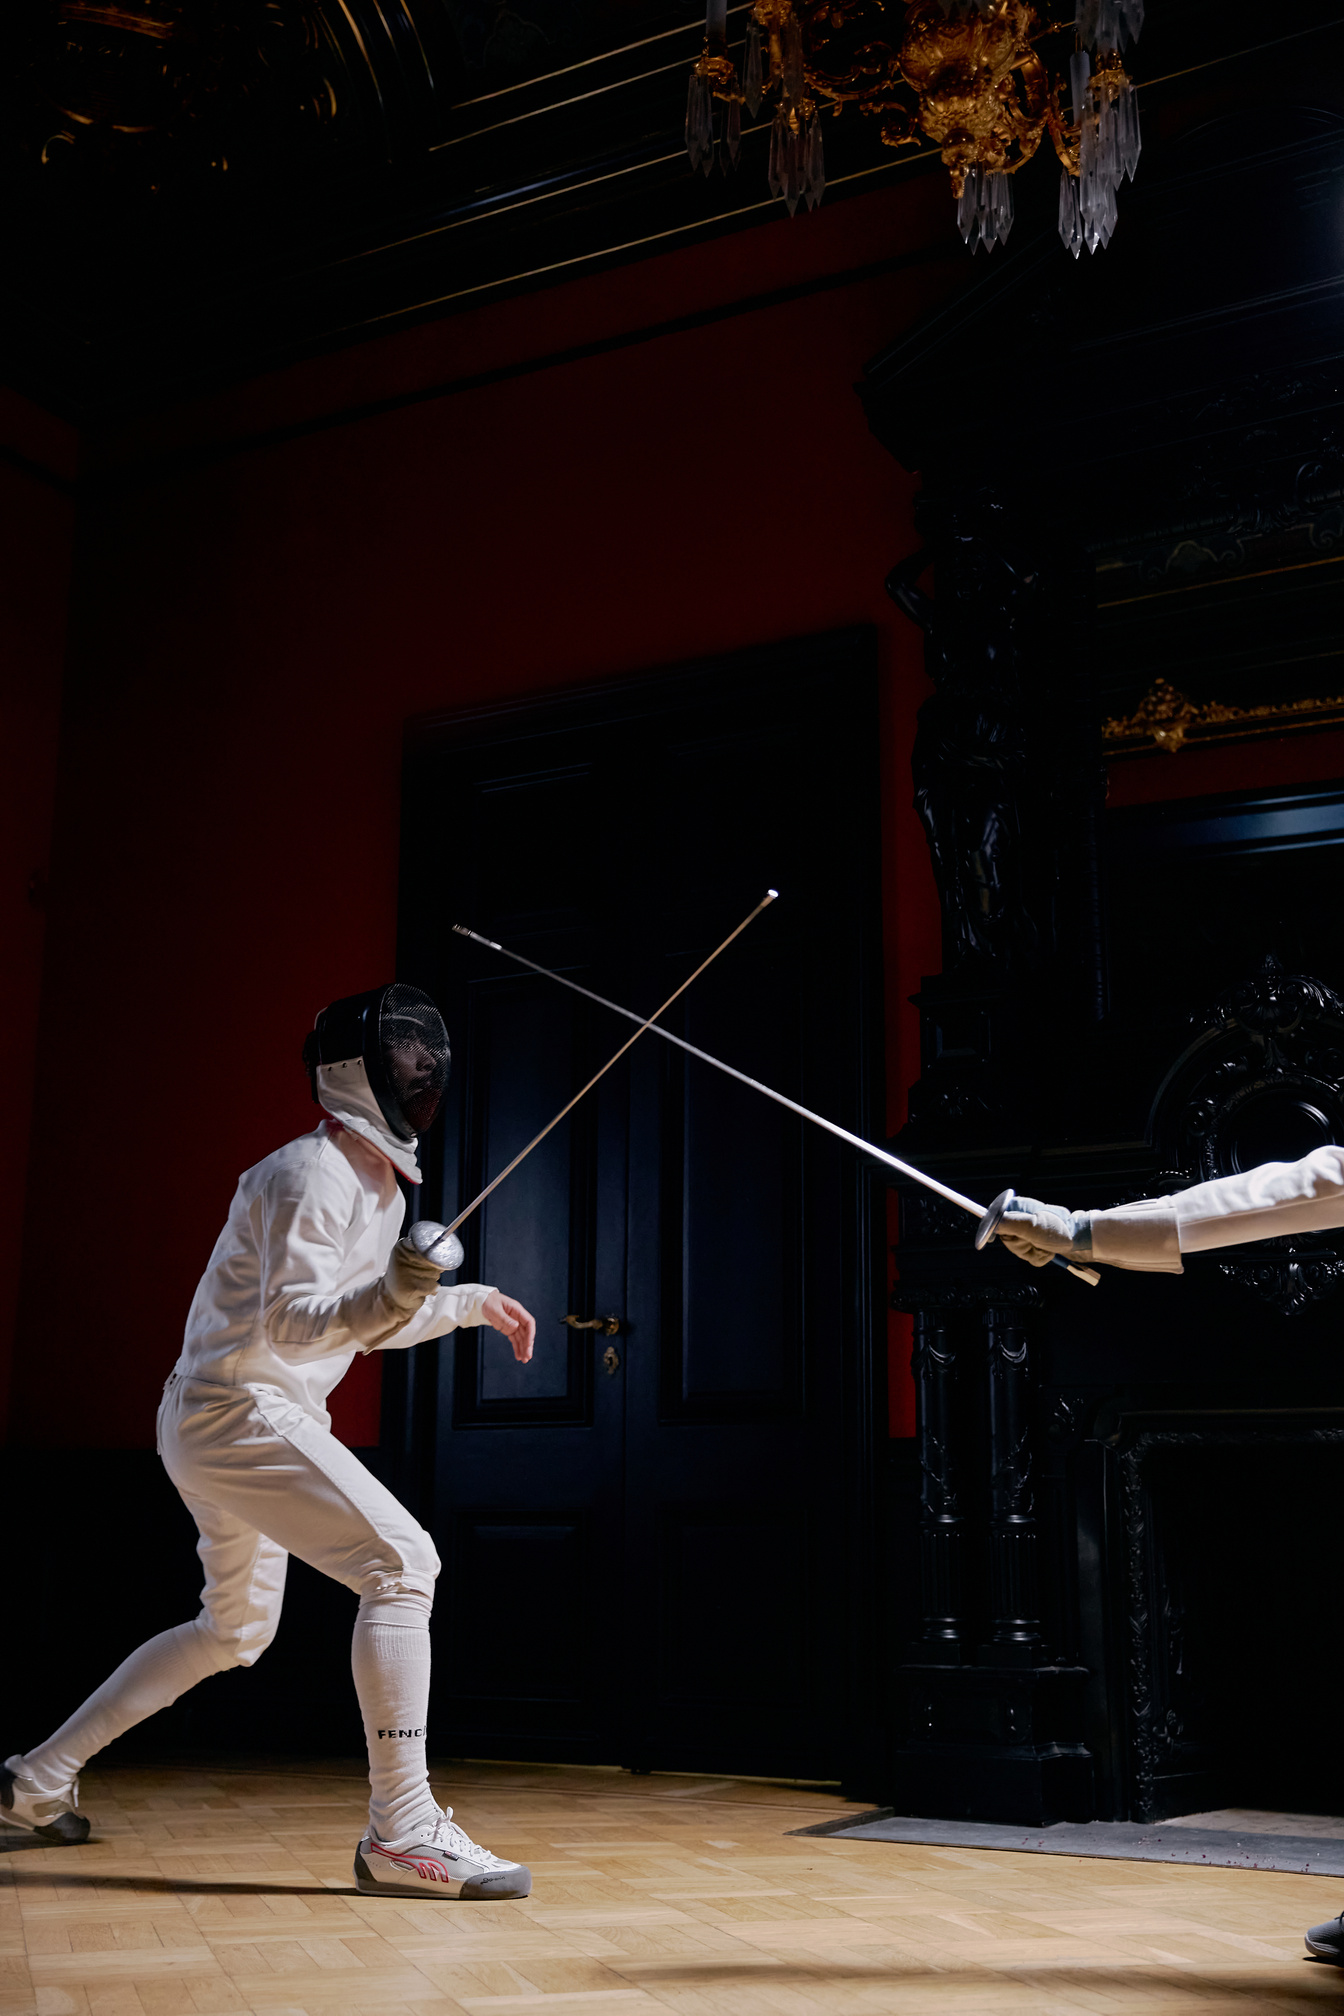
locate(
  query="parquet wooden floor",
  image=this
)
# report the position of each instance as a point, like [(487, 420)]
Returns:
[(206, 1893)]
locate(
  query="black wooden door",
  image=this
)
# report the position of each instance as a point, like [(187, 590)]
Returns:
[(654, 1541)]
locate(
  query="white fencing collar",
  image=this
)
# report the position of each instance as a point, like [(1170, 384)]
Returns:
[(344, 1091)]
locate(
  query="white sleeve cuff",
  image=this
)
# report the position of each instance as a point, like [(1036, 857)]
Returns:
[(470, 1298), (1139, 1236)]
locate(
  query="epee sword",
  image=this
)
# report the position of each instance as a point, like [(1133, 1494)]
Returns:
[(988, 1216), (440, 1242)]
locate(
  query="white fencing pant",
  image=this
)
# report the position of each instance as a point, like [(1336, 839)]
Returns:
[(263, 1481)]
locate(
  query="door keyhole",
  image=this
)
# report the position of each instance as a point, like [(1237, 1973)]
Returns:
[(611, 1360)]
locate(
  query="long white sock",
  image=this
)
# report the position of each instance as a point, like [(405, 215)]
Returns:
[(155, 1674), (390, 1661)]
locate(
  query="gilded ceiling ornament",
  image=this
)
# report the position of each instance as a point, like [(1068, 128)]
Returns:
[(156, 92), (969, 75)]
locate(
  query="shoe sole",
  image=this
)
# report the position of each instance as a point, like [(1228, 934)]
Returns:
[(1325, 1952), (67, 1830), (472, 1892)]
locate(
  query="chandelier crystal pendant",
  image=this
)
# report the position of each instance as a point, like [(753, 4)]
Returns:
[(968, 75), (774, 65)]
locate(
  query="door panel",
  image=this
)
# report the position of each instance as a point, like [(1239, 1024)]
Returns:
[(534, 1648), (729, 1206), (525, 1065), (732, 1627), (671, 1519)]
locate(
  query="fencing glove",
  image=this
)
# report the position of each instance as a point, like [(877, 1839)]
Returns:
[(1036, 1232), (410, 1277)]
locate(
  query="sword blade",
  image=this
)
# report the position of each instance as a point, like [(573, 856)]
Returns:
[(967, 1204), (730, 1071), (644, 1023)]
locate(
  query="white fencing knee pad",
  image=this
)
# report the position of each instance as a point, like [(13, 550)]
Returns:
[(404, 1593), (389, 1604)]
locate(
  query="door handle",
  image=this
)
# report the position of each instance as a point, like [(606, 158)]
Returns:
[(608, 1325)]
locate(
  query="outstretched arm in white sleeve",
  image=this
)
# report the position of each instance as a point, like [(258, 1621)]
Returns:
[(1268, 1202)]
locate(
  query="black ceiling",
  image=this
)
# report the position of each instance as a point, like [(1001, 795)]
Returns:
[(195, 189)]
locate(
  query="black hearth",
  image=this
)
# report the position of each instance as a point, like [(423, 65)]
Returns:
[(1221, 1572)]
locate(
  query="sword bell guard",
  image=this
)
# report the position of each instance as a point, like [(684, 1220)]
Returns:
[(444, 1248), (989, 1224)]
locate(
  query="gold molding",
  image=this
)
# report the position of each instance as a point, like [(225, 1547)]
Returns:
[(88, 13), (1168, 719)]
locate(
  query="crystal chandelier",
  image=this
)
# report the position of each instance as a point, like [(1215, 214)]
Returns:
[(969, 75)]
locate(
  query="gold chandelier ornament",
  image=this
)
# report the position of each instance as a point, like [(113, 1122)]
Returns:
[(969, 75)]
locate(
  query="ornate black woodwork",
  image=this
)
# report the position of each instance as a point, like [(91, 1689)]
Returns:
[(1002, 745), (1014, 1598), (1290, 1279), (942, 1535), (1262, 1077), (972, 749), (1168, 452)]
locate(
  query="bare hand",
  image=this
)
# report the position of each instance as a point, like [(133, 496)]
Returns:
[(511, 1320)]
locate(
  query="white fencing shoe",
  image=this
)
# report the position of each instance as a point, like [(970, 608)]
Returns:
[(439, 1861), (49, 1815)]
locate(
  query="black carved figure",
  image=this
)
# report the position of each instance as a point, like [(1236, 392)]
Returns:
[(972, 748)]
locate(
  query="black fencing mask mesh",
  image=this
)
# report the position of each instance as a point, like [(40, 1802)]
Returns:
[(413, 1052), (399, 1033)]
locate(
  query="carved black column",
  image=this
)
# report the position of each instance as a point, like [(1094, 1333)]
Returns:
[(942, 1537), (1013, 1577)]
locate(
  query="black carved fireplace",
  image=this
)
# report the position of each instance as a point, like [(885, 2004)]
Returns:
[(1225, 1554), (1128, 1494)]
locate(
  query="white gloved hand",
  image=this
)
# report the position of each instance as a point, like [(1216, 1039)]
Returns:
[(1036, 1232)]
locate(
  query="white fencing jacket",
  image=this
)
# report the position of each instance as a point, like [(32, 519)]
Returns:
[(1264, 1203), (292, 1290)]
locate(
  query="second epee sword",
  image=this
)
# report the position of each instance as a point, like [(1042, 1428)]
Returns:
[(980, 1211), (443, 1233)]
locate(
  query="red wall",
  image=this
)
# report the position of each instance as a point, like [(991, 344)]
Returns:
[(1300, 758), (252, 634), (37, 466), (255, 617)]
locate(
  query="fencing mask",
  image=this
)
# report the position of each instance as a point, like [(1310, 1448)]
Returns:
[(399, 1034)]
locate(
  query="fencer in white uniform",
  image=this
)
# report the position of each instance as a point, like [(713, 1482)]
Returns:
[(1154, 1234), (309, 1271)]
